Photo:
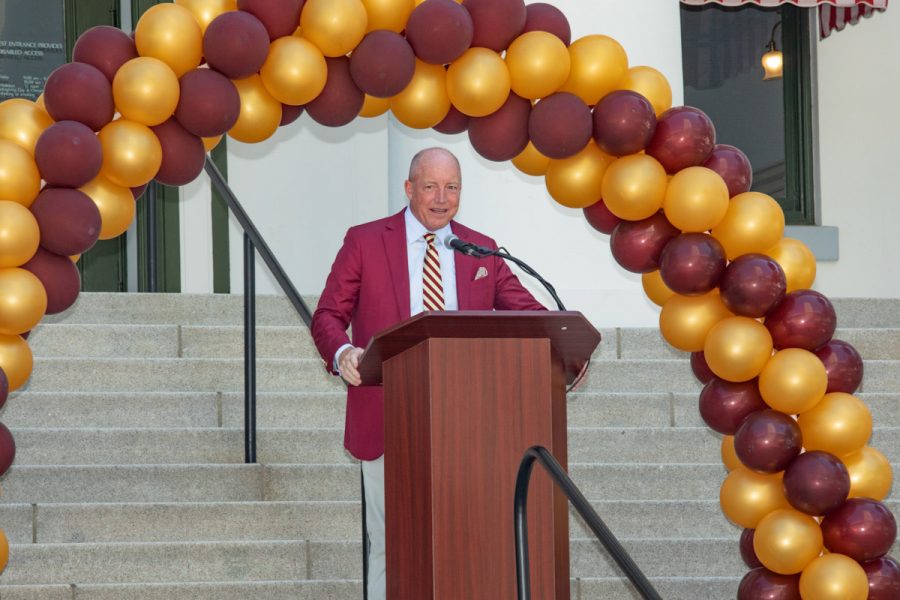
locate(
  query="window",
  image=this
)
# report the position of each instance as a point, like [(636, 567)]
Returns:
[(771, 120)]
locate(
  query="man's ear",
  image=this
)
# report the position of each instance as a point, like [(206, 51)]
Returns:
[(408, 188)]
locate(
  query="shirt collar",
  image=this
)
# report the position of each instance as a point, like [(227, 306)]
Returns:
[(415, 230)]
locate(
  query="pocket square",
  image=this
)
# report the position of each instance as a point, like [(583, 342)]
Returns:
[(482, 272)]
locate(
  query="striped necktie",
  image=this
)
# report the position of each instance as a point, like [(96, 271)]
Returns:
[(432, 290)]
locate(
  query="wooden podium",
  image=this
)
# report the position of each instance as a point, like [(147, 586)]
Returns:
[(466, 393)]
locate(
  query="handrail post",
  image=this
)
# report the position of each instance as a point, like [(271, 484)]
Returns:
[(249, 350), (152, 246)]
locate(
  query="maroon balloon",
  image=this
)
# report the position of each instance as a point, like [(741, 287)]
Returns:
[(862, 528), (843, 364), (503, 134), (701, 369), (767, 441), (752, 285), (439, 31), (636, 245), (816, 483), (600, 217), (733, 166), (68, 154), (290, 113), (7, 449), (747, 551), (684, 137), (340, 101), (762, 584), (209, 103), (79, 92), (382, 64), (692, 263), (236, 44), (137, 192), (884, 578), (497, 22), (60, 278), (624, 123), (183, 154), (560, 125), (454, 122), (725, 404), (104, 47), (69, 220), (541, 16), (803, 319), (280, 17), (4, 387)]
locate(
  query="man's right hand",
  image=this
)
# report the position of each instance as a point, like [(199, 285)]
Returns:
[(348, 363)]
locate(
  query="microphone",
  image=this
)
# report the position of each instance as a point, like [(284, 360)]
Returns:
[(452, 242)]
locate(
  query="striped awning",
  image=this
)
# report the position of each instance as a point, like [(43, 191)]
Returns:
[(834, 15)]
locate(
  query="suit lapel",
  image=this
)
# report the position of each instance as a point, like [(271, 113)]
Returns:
[(465, 273), (394, 237)]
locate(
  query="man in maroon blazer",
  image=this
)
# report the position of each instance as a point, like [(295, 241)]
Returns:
[(377, 281)]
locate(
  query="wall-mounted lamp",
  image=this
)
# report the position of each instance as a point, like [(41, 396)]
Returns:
[(772, 60)]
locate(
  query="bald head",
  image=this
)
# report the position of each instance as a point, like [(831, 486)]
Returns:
[(430, 155)]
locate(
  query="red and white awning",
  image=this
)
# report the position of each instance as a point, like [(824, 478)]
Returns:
[(834, 15)]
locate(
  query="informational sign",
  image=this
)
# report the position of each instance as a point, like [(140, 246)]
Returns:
[(32, 45)]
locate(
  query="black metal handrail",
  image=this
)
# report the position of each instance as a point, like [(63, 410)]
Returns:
[(253, 242), (584, 508)]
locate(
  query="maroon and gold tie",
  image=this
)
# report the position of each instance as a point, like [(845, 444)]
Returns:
[(432, 290)]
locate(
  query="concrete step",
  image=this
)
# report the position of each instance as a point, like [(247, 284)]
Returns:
[(236, 590), (318, 446), (183, 309)]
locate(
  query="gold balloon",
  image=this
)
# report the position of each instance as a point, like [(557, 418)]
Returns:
[(22, 121), (651, 84), (737, 348), (4, 551), (116, 205), (786, 540), (478, 82), (793, 381), (834, 577), (840, 423), (260, 113), (424, 102), (871, 475), (146, 90), (373, 107), (211, 142), (684, 321), (388, 14), (74, 258), (696, 199), (754, 223), (20, 180), (538, 64), (729, 456), (747, 496), (207, 10), (132, 153), (655, 288), (797, 261), (23, 301), (19, 234), (39, 101), (295, 71), (172, 34), (577, 181), (634, 187), (531, 162), (335, 26), (598, 66), (16, 360)]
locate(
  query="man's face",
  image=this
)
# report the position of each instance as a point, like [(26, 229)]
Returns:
[(433, 191)]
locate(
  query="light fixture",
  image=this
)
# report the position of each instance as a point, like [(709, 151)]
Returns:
[(772, 60)]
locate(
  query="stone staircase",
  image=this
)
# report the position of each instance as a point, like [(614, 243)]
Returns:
[(129, 482)]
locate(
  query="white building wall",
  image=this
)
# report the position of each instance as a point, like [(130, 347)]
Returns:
[(307, 184)]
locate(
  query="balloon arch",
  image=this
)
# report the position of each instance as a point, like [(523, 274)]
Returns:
[(733, 291)]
